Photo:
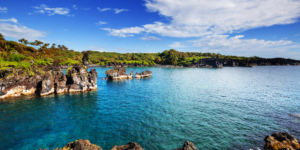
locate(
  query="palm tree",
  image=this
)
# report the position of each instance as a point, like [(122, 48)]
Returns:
[(53, 46), (64, 47), (22, 40)]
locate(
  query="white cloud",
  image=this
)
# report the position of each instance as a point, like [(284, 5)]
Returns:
[(246, 47), (19, 31), (177, 44), (119, 10), (9, 20), (52, 11), (195, 18), (3, 9), (150, 38), (124, 32), (103, 9), (75, 7), (97, 48), (101, 23), (297, 34)]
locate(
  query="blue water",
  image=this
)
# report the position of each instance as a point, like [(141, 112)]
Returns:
[(228, 108)]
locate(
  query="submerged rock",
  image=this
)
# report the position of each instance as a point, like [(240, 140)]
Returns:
[(146, 73), (128, 146), (118, 73), (79, 145), (281, 141), (187, 146)]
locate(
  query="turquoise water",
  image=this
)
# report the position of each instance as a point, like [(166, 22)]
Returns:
[(228, 108)]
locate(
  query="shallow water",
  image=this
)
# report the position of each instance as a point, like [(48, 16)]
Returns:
[(228, 108)]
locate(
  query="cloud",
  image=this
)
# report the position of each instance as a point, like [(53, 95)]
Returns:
[(103, 9), (124, 32), (97, 48), (3, 9), (297, 34), (194, 18), (75, 7), (119, 10), (52, 11), (9, 20), (101, 23), (18, 31), (177, 44), (150, 38), (246, 47)]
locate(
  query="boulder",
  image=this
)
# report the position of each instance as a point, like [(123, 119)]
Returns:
[(79, 145), (187, 146), (128, 146), (281, 141)]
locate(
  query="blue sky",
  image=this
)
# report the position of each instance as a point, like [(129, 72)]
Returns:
[(266, 28)]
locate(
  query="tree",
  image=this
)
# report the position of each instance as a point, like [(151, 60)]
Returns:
[(38, 43), (64, 48), (53, 46), (21, 40), (133, 57), (2, 37)]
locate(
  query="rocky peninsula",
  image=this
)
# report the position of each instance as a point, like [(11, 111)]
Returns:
[(120, 73), (215, 63), (46, 79), (276, 141)]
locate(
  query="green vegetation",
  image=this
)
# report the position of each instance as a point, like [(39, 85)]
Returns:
[(16, 55)]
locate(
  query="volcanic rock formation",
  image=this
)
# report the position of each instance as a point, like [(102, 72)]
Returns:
[(187, 146), (128, 146), (79, 145), (45, 79), (281, 141), (118, 73), (85, 59), (146, 73)]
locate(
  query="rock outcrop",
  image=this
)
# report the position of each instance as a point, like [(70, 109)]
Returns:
[(118, 73), (281, 141), (45, 79), (79, 145), (187, 146), (85, 59), (128, 146), (146, 73)]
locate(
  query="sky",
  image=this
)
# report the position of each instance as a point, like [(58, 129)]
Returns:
[(265, 28)]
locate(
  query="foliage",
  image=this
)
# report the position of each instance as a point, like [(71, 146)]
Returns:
[(19, 54)]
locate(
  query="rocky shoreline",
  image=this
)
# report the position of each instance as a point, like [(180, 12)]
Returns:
[(276, 141), (47, 79), (212, 63)]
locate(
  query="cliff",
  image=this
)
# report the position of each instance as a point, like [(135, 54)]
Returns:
[(45, 79)]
